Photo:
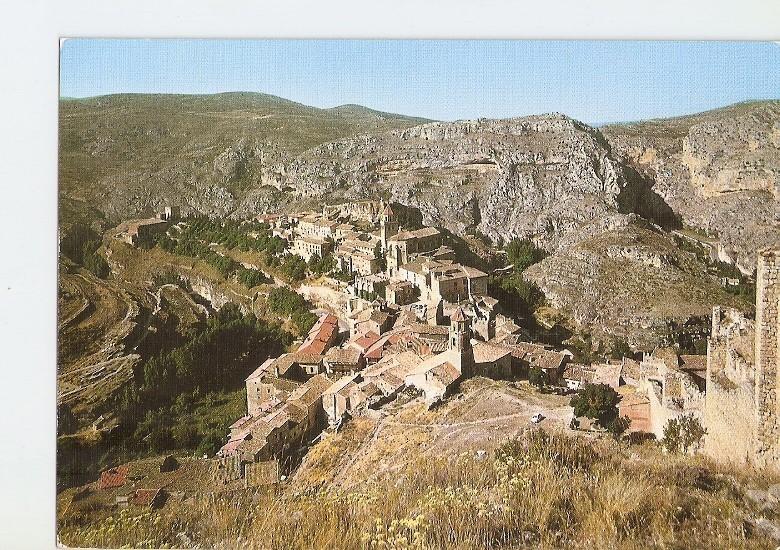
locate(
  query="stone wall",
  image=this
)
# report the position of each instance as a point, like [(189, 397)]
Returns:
[(741, 408), (728, 408), (767, 449)]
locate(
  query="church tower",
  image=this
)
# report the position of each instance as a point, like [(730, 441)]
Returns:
[(388, 226), (460, 342)]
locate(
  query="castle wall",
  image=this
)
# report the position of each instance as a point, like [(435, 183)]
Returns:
[(767, 448), (728, 409)]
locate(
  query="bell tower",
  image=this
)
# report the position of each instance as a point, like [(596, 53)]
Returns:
[(388, 226), (460, 341)]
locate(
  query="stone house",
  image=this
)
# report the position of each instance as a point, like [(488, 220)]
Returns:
[(137, 231), (437, 375), (286, 427), (269, 385), (308, 246), (403, 246), (636, 407), (492, 360), (321, 336), (316, 226), (671, 391), (343, 361), (400, 293), (346, 395), (576, 376)]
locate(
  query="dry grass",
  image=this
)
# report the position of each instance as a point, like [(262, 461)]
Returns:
[(548, 491)]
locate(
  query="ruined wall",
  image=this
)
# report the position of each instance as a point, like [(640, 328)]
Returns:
[(728, 408), (742, 405), (767, 447)]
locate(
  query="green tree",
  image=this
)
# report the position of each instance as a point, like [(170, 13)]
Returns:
[(210, 444), (537, 377), (683, 434), (620, 349), (523, 253), (186, 436), (598, 402), (161, 439), (97, 265)]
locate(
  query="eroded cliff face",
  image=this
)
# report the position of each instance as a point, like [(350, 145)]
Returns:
[(719, 171), (539, 177), (625, 278)]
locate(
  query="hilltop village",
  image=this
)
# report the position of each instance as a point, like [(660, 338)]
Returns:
[(416, 324)]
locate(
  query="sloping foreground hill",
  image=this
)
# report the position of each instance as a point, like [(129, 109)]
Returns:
[(444, 479)]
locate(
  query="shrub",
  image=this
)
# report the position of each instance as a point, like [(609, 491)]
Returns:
[(683, 434), (596, 401), (161, 439), (522, 253), (251, 278), (620, 349), (537, 377), (97, 265), (210, 444), (618, 426)]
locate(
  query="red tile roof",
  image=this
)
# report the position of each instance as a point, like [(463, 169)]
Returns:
[(366, 341), (113, 477)]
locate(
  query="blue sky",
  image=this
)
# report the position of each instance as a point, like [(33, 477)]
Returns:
[(595, 82)]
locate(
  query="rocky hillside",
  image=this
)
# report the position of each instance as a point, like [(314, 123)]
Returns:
[(541, 176), (624, 278), (577, 191), (125, 155), (719, 171)]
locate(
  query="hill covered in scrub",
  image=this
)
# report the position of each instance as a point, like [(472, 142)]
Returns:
[(129, 154)]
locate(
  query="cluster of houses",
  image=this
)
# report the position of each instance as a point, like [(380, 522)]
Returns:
[(366, 241), (134, 232)]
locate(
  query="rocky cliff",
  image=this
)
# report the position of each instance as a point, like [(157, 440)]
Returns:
[(719, 171)]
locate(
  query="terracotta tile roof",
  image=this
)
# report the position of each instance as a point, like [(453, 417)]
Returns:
[(693, 362), (343, 356), (607, 374), (113, 477), (425, 232), (262, 369), (240, 422), (305, 358), (431, 330), (446, 373), (341, 384), (485, 352), (458, 315), (630, 368), (633, 399), (311, 390), (365, 341), (546, 360)]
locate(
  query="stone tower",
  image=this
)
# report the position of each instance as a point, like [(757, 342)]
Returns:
[(388, 226), (767, 440), (460, 342)]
